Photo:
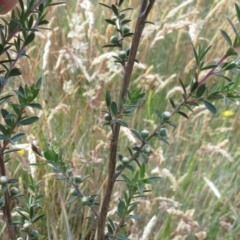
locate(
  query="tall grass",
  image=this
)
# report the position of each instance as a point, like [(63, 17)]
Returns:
[(199, 188)]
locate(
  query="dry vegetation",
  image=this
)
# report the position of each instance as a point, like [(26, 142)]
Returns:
[(198, 195)]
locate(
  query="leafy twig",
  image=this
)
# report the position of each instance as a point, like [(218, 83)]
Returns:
[(145, 8)]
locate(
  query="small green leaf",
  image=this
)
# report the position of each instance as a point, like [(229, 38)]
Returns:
[(209, 67), (141, 188), (119, 168), (226, 37), (126, 179), (18, 137), (35, 219), (128, 166), (210, 107), (38, 83), (200, 91), (142, 171), (162, 139), (125, 21), (236, 42), (110, 230), (10, 116), (171, 123), (144, 157), (230, 22), (172, 103), (158, 113), (34, 105), (120, 122), (28, 120), (148, 22), (229, 66), (183, 114), (193, 86), (108, 99), (72, 199), (14, 72), (20, 211), (183, 87), (3, 99), (115, 10), (126, 9), (136, 134), (226, 78), (130, 109), (50, 155), (192, 103), (236, 82), (132, 208), (195, 54), (105, 5), (120, 3), (56, 3), (29, 38), (231, 52), (111, 223), (3, 137), (114, 108), (237, 9), (151, 180), (203, 51), (3, 130), (128, 35), (110, 45), (188, 107), (121, 208), (109, 21)]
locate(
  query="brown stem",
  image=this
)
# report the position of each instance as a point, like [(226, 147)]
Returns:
[(145, 8), (211, 72), (143, 13), (110, 184), (6, 208)]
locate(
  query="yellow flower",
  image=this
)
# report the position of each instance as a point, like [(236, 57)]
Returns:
[(21, 151), (227, 113)]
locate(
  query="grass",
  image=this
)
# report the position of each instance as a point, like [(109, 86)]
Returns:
[(201, 161)]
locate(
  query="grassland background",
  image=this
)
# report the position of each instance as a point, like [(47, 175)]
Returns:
[(77, 71)]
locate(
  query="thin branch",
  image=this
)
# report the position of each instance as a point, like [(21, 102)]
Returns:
[(7, 209), (143, 14), (144, 11), (177, 108), (211, 72)]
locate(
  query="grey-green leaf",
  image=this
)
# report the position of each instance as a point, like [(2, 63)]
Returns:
[(29, 38), (121, 123), (210, 107), (105, 5), (14, 72), (226, 37), (136, 134), (28, 120), (183, 114), (18, 137), (114, 9), (108, 99), (200, 91), (114, 108)]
